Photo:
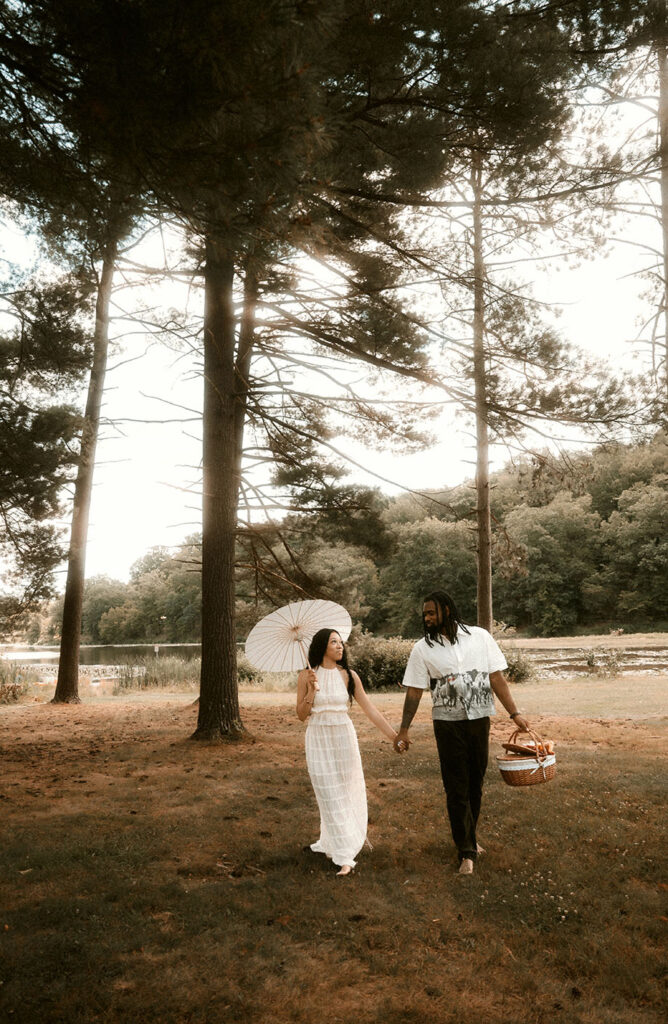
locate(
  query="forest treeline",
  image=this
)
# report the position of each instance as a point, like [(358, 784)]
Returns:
[(580, 543)]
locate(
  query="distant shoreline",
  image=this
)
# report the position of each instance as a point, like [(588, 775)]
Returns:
[(610, 641)]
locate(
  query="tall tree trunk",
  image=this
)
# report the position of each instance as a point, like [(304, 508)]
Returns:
[(484, 522), (67, 687), (663, 142), (219, 715), (243, 362)]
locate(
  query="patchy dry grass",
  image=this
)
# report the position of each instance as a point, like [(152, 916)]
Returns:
[(150, 880), (610, 640)]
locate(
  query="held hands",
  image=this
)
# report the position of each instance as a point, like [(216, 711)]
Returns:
[(401, 742)]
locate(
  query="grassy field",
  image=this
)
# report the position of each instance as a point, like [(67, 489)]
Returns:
[(150, 880), (612, 641)]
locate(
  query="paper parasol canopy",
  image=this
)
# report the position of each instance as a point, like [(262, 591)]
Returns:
[(279, 642)]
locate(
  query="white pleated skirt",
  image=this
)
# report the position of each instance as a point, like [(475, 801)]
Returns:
[(335, 767)]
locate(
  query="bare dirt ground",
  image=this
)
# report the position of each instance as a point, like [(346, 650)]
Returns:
[(610, 641), (146, 879), (639, 697)]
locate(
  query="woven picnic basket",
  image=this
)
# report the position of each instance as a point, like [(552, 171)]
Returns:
[(527, 763)]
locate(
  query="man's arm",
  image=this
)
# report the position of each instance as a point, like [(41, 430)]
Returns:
[(499, 685), (411, 704)]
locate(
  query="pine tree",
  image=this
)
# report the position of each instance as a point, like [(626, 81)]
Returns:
[(511, 67), (631, 68), (85, 201), (44, 352), (264, 111)]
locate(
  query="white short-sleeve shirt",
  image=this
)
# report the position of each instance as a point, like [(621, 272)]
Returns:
[(457, 674)]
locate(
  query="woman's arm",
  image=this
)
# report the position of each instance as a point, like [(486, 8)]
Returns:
[(372, 712), (307, 684)]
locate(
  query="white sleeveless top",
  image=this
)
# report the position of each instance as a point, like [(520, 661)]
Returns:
[(331, 701)]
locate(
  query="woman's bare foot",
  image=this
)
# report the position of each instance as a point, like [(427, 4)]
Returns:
[(466, 866), (345, 870)]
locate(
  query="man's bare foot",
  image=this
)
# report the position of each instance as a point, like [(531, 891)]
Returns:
[(466, 866), (479, 848)]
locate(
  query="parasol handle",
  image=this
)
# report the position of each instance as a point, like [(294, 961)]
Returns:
[(301, 645)]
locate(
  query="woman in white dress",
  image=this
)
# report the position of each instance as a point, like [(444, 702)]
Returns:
[(324, 692)]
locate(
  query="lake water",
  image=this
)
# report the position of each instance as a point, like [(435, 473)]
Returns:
[(551, 663), (108, 654)]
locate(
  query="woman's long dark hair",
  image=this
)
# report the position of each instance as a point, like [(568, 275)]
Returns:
[(452, 620), (316, 653)]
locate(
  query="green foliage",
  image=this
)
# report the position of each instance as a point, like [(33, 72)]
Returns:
[(101, 594), (379, 661), (615, 469), (559, 566), (520, 667), (165, 671), (44, 351), (428, 555), (610, 571), (158, 672), (161, 603), (636, 550), (353, 515), (246, 673), (15, 681), (344, 574), (154, 561), (561, 549)]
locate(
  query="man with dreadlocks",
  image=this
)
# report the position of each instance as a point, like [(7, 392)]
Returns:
[(463, 667)]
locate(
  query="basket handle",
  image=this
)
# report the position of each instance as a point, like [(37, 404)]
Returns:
[(538, 741)]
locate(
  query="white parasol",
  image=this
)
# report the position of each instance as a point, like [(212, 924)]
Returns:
[(279, 642)]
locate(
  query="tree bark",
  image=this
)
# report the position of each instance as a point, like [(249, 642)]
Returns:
[(219, 715), (243, 361), (663, 142), (67, 687), (484, 521)]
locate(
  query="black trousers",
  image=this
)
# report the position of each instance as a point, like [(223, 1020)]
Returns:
[(463, 750)]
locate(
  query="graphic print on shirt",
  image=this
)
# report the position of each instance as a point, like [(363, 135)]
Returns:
[(466, 689)]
